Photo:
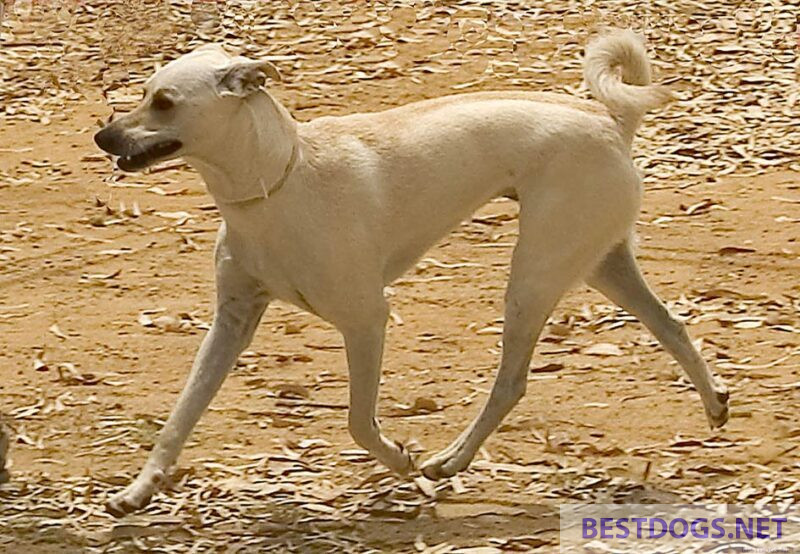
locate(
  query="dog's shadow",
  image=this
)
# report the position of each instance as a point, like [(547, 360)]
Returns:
[(470, 520), (467, 523), (463, 522), (458, 520)]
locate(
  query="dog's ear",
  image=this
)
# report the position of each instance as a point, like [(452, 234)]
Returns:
[(243, 77)]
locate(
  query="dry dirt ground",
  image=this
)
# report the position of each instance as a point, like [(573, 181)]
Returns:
[(106, 289)]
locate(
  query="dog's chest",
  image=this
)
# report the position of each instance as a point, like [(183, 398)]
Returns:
[(272, 260)]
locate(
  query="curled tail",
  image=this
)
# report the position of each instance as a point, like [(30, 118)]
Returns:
[(630, 97)]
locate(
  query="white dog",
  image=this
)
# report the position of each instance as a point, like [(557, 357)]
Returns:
[(325, 214)]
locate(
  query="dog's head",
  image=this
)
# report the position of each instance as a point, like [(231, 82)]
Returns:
[(185, 104)]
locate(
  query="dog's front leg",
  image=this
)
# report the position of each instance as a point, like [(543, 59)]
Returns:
[(239, 309), (364, 343)]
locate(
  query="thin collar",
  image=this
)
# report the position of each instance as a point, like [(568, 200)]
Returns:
[(282, 181)]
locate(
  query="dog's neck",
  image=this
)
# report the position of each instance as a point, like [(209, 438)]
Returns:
[(255, 157)]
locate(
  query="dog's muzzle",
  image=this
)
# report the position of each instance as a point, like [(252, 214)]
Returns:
[(149, 155), (133, 157)]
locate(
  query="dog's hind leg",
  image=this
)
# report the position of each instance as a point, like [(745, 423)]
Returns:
[(240, 304), (619, 278), (364, 338), (557, 247), (529, 301)]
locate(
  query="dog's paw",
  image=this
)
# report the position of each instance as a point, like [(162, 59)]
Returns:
[(123, 504), (136, 496), (443, 466), (718, 412), (401, 461)]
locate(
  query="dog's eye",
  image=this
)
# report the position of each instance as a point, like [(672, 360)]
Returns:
[(162, 102)]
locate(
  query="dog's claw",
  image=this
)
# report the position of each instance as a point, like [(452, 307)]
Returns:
[(125, 503), (122, 507), (442, 467), (435, 472), (122, 504), (431, 472), (720, 417), (403, 470), (137, 495)]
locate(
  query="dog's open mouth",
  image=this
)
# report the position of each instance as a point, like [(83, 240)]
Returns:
[(153, 153)]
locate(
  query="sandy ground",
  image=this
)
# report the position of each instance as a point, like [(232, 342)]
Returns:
[(106, 288)]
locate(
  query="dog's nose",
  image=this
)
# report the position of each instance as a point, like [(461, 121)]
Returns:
[(107, 139)]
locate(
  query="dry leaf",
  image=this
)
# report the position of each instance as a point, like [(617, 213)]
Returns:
[(57, 331), (603, 349), (727, 250)]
